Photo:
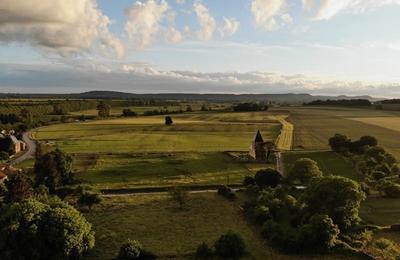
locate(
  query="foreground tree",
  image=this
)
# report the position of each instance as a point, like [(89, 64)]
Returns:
[(34, 230), (304, 170), (337, 197), (53, 169), (230, 245)]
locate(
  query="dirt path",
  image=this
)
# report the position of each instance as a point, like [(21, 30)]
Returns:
[(284, 141)]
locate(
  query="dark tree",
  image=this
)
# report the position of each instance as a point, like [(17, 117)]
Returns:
[(7, 145), (128, 113), (230, 245), (89, 199), (180, 196), (189, 108), (340, 143), (19, 188), (53, 169), (168, 120), (268, 177), (103, 109)]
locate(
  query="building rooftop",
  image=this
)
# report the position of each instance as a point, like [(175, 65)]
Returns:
[(258, 138)]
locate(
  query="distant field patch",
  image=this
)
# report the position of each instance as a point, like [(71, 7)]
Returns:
[(329, 162), (141, 170), (392, 123), (285, 138), (314, 126)]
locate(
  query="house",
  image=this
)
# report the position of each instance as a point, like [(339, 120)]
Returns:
[(19, 145), (257, 148)]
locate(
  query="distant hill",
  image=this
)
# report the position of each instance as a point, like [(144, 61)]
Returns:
[(278, 98)]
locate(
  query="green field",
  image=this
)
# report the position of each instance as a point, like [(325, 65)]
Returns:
[(315, 125), (172, 233), (143, 151), (138, 170), (329, 162), (202, 132)]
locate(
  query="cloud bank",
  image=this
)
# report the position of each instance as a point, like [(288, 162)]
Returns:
[(144, 78), (65, 27)]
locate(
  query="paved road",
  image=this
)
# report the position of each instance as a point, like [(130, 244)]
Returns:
[(29, 152)]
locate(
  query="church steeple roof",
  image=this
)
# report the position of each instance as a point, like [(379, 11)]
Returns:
[(258, 138)]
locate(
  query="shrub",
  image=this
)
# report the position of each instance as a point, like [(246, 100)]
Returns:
[(204, 251), (268, 177), (130, 250), (304, 170), (226, 192), (383, 243), (179, 195), (248, 180), (339, 143), (319, 234), (168, 120), (230, 245)]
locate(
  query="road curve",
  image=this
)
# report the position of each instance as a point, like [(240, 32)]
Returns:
[(30, 149)]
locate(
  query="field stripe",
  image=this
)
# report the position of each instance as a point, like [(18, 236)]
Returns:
[(285, 138)]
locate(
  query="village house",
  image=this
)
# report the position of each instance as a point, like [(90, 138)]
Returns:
[(19, 145)]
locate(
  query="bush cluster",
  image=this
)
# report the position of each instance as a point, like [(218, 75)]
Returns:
[(228, 246), (226, 192)]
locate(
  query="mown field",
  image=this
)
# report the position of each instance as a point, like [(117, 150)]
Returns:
[(160, 169), (329, 162), (198, 132), (315, 125), (143, 151), (169, 232)]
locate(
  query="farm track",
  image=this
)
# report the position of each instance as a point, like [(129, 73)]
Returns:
[(285, 138)]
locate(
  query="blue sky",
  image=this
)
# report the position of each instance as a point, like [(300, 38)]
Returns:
[(240, 46)]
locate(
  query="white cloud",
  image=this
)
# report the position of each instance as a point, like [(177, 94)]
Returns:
[(268, 13), (173, 35), (144, 21), (66, 27), (206, 21), (229, 27), (327, 9), (181, 2)]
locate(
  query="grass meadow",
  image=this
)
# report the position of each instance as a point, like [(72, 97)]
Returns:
[(143, 151), (157, 170), (150, 134), (169, 232)]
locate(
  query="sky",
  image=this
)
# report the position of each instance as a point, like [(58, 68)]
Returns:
[(328, 47)]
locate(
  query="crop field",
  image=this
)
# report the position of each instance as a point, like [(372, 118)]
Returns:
[(167, 231), (329, 162), (200, 132), (392, 123), (138, 170), (313, 126)]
